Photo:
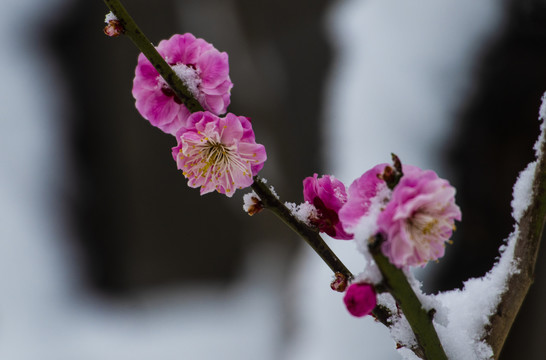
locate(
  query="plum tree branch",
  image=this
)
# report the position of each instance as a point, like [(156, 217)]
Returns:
[(531, 227)]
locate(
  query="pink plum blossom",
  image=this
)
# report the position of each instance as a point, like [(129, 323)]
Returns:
[(202, 68), (419, 218), (360, 299), (217, 153), (361, 192), (328, 195)]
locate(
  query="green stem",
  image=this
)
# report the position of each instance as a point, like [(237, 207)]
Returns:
[(143, 44), (419, 319)]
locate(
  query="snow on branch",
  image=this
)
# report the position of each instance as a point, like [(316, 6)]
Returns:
[(529, 211)]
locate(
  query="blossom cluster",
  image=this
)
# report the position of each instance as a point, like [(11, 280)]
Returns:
[(214, 152), (410, 211), (413, 215)]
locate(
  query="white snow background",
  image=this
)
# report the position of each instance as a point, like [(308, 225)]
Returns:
[(401, 70)]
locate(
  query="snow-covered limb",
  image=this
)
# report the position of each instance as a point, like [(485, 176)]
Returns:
[(473, 322), (530, 214)]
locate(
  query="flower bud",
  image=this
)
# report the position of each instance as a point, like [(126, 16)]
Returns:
[(327, 195), (114, 28), (252, 203), (339, 283), (360, 299)]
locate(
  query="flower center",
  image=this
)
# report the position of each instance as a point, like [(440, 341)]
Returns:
[(421, 225), (215, 153), (218, 160)]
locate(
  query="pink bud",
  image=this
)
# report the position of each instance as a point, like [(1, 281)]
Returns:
[(327, 195), (360, 299), (114, 28)]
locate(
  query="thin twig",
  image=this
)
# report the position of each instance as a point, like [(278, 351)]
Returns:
[(312, 238), (147, 48)]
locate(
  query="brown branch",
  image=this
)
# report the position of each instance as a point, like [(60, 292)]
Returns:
[(525, 253)]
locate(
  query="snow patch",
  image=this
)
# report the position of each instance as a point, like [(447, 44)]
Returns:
[(542, 110), (468, 310), (190, 77), (109, 17), (523, 191), (248, 200), (364, 230), (303, 212)]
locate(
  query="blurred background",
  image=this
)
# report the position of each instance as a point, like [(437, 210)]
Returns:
[(105, 253)]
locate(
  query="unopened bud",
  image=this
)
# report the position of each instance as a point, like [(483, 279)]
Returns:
[(113, 26), (339, 283), (387, 175), (252, 203), (360, 299), (396, 162), (392, 175)]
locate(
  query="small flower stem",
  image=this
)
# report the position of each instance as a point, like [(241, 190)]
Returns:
[(419, 319), (311, 236), (143, 44)]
